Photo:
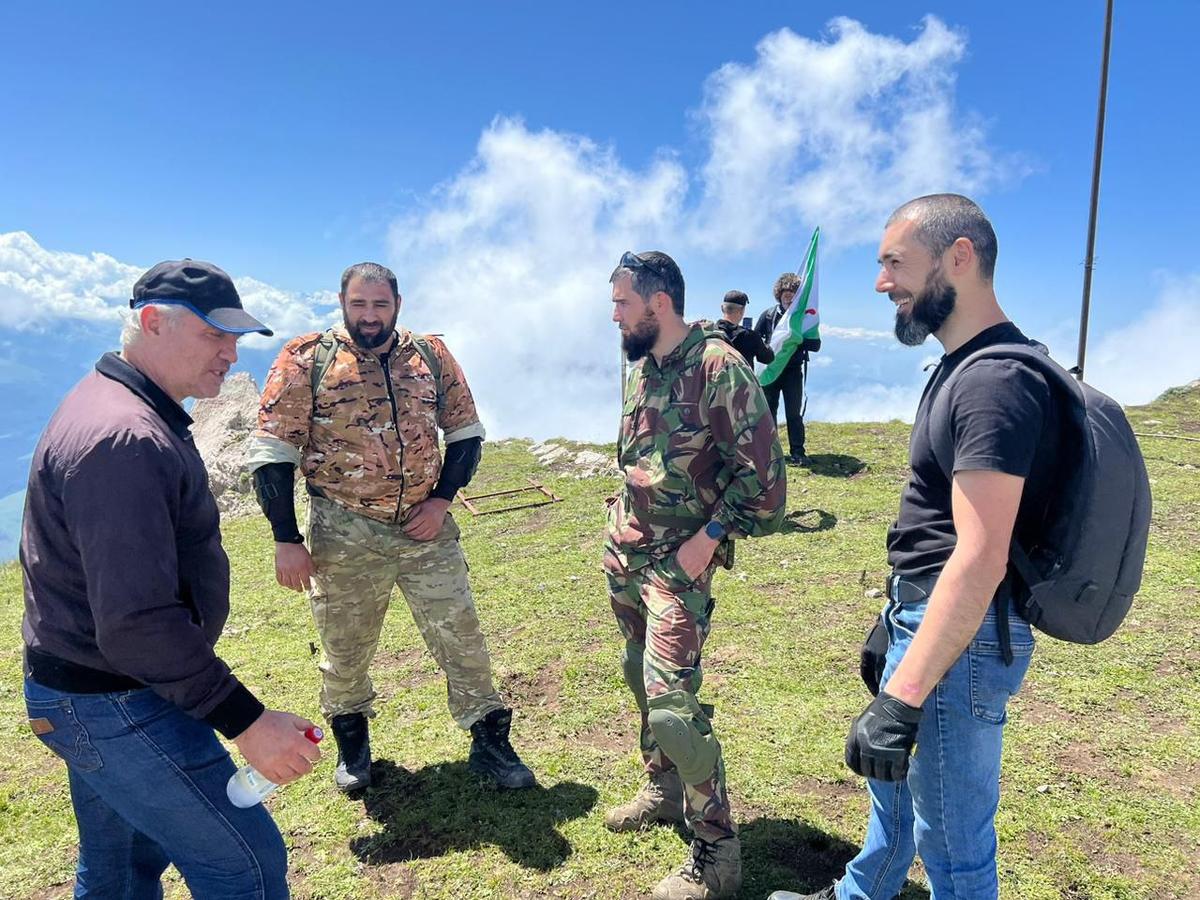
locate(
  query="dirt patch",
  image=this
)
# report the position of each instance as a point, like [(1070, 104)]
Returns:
[(830, 794), (1102, 858), (540, 688), (615, 737), (1088, 763), (395, 879), (406, 668), (535, 520)]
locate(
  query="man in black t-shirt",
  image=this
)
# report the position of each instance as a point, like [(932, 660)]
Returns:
[(744, 340), (946, 682)]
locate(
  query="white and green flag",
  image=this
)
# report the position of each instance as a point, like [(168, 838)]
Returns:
[(800, 321)]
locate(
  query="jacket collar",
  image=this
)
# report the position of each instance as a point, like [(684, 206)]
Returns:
[(114, 366), (403, 337), (696, 336)]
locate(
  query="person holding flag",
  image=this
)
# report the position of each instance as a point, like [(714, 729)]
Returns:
[(791, 329)]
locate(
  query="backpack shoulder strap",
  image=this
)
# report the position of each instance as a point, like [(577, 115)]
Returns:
[(1033, 355), (323, 353), (424, 347)]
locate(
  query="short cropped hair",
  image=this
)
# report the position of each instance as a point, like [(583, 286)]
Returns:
[(942, 219), (372, 273), (661, 274)]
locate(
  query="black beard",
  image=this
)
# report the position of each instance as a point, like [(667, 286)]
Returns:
[(370, 342), (927, 312), (638, 340)]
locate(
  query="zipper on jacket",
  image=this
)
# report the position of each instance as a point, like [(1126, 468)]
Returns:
[(385, 361)]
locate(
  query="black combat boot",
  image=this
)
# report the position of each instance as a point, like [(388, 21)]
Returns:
[(493, 756), (353, 772)]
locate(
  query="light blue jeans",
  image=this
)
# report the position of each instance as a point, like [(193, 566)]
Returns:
[(148, 787), (946, 809)]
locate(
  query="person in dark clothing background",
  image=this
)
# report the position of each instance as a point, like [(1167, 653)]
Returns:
[(745, 341), (791, 380)]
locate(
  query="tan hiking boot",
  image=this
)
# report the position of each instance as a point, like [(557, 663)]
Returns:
[(712, 870), (659, 800)]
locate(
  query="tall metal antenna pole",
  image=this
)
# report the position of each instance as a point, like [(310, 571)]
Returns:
[(1089, 260)]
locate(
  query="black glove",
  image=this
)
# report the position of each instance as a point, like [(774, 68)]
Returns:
[(882, 738), (873, 656)]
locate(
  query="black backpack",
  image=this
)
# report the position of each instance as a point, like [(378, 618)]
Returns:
[(1077, 579)]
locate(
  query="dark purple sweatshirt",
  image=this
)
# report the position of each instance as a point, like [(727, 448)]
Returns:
[(126, 582)]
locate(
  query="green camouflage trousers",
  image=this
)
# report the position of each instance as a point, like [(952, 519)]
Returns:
[(665, 617), (357, 561)]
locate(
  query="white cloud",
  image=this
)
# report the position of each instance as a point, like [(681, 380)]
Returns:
[(1156, 350), (510, 257), (511, 261), (38, 286), (41, 287), (866, 402), (837, 133), (286, 313), (856, 334)]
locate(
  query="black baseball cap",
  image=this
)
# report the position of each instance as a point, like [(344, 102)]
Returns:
[(201, 287), (737, 297)]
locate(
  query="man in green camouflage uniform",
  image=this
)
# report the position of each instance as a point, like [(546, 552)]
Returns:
[(358, 410), (702, 466)]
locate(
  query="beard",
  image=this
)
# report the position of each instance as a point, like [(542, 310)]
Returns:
[(638, 340), (374, 339), (927, 312)]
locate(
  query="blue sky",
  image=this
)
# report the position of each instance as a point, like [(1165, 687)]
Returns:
[(501, 156)]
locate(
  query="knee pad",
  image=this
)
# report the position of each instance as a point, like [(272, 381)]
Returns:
[(685, 734), (631, 667)]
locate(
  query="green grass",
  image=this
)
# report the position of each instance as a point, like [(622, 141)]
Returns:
[(1101, 784)]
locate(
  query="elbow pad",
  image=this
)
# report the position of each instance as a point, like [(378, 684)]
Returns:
[(458, 467), (273, 485)]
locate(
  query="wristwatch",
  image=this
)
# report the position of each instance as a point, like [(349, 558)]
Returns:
[(714, 530)]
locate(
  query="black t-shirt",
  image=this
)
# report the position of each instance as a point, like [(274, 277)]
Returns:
[(1005, 419)]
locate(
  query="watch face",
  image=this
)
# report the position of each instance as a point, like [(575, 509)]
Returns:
[(714, 530)]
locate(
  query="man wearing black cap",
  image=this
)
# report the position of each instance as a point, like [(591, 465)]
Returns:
[(126, 593), (745, 341)]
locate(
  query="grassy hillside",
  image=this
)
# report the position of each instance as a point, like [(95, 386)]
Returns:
[(1101, 794)]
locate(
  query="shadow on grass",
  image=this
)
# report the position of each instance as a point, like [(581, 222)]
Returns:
[(444, 808), (835, 465), (807, 521), (782, 854)]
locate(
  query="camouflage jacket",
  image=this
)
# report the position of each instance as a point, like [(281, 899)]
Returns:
[(697, 443), (370, 440)]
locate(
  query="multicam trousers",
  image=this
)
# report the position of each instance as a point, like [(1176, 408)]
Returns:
[(665, 617), (357, 561)]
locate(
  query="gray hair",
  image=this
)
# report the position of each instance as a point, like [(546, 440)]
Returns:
[(131, 326), (371, 273), (942, 219)]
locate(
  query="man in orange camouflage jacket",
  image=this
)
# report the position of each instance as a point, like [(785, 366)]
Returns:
[(357, 409)]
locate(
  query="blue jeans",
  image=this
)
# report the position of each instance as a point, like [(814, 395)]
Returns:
[(148, 788), (946, 809)]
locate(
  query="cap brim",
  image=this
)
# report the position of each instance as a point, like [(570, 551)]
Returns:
[(235, 321)]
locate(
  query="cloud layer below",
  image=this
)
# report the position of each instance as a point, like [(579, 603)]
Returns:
[(510, 256)]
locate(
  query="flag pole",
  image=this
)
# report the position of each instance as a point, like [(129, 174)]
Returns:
[(1089, 260)]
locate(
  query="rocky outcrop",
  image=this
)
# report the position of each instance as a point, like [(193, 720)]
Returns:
[(580, 463), (222, 425)]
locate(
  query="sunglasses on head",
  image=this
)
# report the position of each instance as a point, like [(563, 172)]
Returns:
[(630, 260)]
